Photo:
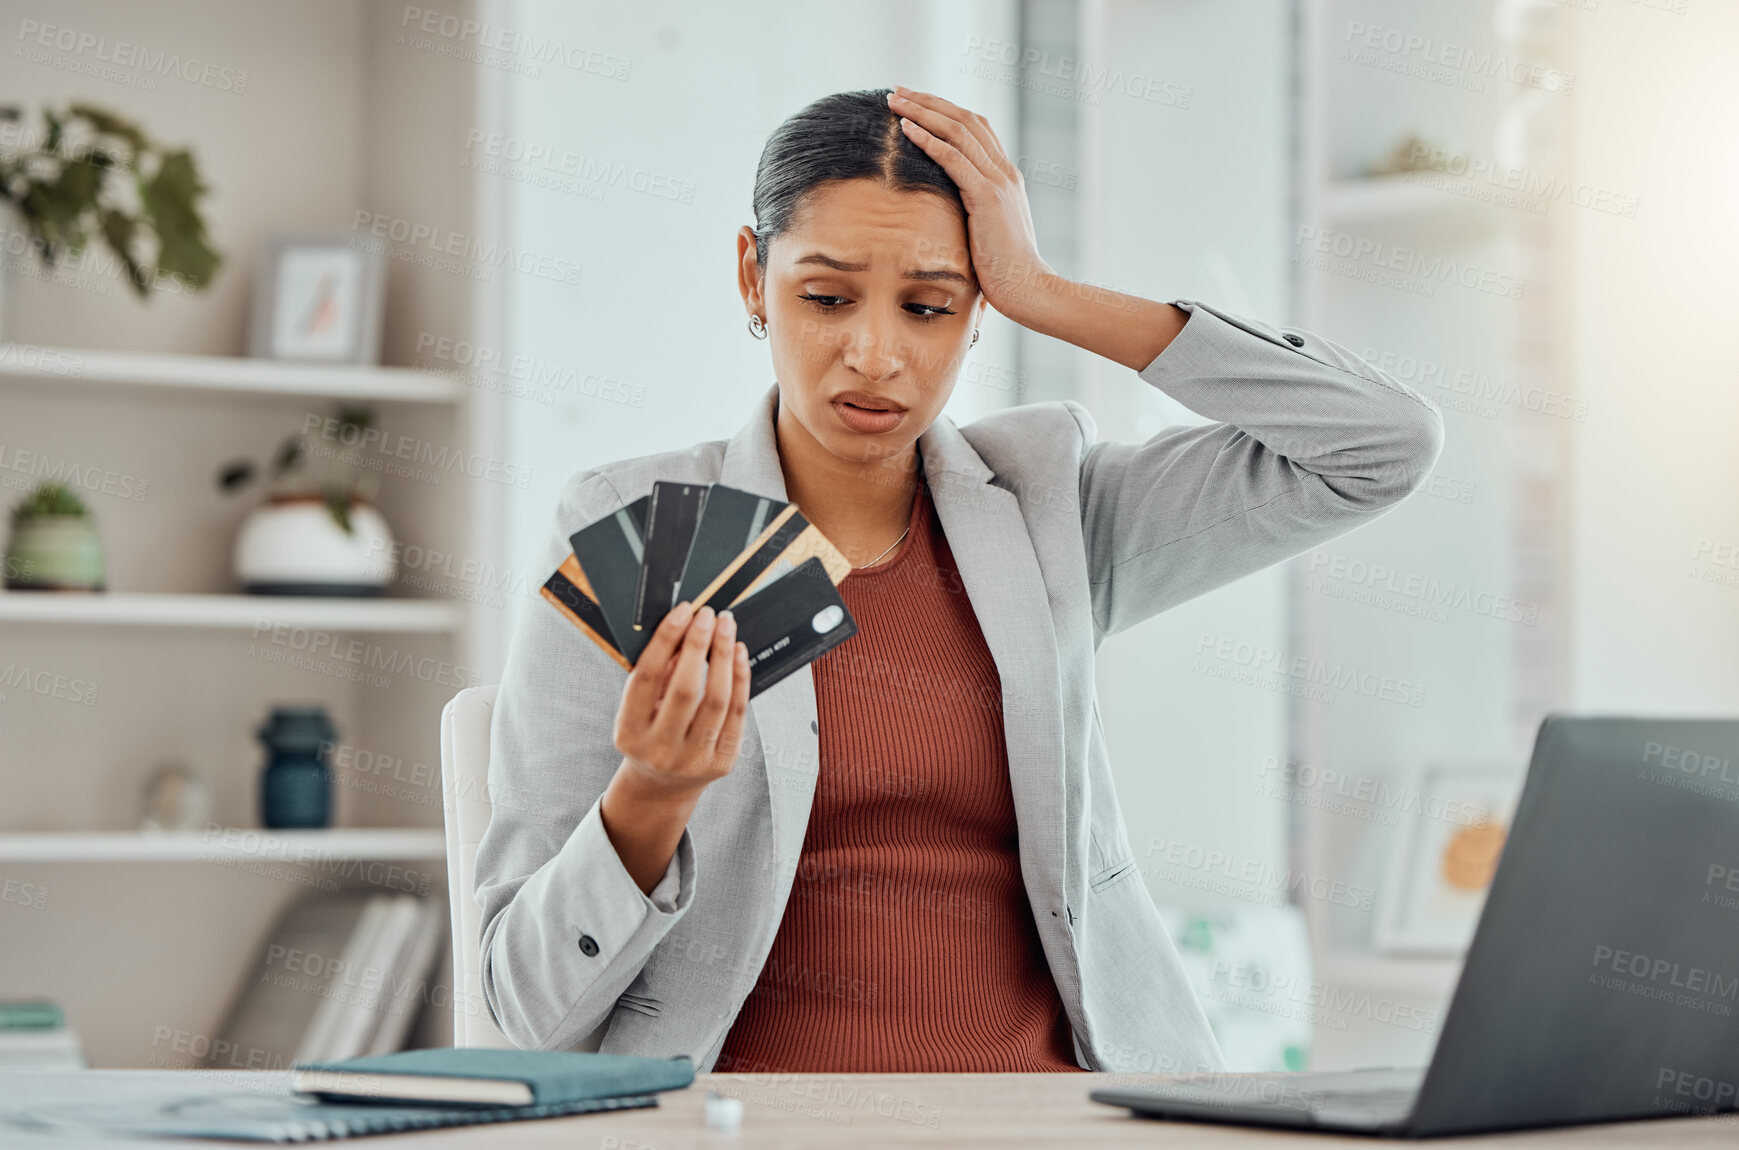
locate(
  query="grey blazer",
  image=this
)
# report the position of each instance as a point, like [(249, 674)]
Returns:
[(1061, 540)]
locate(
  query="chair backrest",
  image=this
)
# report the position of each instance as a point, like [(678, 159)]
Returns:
[(465, 796)]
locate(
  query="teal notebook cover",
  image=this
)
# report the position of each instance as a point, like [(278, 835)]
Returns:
[(554, 1076)]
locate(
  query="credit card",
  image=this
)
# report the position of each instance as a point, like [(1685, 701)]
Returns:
[(731, 523), (790, 622), (671, 520), (788, 540), (571, 592), (609, 551), (809, 544)]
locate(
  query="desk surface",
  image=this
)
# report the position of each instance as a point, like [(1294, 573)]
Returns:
[(849, 1111), (872, 1111)]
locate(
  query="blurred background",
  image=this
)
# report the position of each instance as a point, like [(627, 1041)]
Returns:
[(364, 282)]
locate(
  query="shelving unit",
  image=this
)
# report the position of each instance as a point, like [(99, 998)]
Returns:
[(249, 612), (227, 845), (27, 365), (1429, 331), (1404, 197), (137, 405)]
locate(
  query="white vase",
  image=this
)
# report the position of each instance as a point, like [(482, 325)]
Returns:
[(291, 545)]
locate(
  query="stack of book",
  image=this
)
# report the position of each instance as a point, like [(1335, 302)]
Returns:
[(713, 546), (340, 977), (34, 1036)]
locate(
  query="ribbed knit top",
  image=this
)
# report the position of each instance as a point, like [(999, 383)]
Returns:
[(908, 943)]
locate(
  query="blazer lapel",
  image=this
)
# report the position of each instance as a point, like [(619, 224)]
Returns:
[(783, 714), (1006, 587), (993, 550)]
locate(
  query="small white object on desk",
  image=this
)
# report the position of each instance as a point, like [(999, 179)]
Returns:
[(723, 1114)]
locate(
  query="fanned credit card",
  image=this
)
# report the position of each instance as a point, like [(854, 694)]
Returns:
[(711, 545), (610, 551)]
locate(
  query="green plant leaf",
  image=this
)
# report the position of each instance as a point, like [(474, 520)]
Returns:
[(358, 416), (289, 456), (169, 200), (110, 124), (235, 475), (119, 231), (338, 504), (49, 499), (62, 211)]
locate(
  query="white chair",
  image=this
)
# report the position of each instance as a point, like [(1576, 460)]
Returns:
[(465, 795)]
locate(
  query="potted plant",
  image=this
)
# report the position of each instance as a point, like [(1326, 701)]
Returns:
[(313, 535), (94, 174), (54, 544)]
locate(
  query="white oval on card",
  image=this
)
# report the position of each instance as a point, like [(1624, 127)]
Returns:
[(827, 618)]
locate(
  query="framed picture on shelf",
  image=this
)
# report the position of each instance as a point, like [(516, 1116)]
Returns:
[(318, 299), (1444, 858)]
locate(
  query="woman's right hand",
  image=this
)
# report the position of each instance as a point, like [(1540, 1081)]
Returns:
[(680, 722)]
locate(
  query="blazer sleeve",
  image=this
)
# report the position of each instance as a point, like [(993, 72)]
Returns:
[(1312, 441), (565, 928)]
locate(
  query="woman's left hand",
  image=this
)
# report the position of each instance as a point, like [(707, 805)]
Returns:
[(999, 221)]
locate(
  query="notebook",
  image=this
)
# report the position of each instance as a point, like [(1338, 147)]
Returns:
[(253, 1106), (490, 1077)]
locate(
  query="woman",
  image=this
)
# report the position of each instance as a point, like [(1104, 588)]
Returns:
[(907, 856)]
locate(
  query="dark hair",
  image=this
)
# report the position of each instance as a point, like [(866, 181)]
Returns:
[(845, 136)]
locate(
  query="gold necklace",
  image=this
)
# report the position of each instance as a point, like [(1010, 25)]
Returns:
[(884, 554), (903, 534)]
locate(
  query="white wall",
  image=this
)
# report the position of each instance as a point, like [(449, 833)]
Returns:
[(1169, 211), (1657, 475)]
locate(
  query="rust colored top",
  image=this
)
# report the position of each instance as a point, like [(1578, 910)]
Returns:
[(908, 943)]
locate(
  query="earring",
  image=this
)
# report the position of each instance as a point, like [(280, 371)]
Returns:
[(757, 327), (974, 338)]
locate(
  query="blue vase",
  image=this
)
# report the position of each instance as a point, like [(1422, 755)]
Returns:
[(296, 785)]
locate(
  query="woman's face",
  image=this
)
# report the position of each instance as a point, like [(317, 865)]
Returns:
[(870, 302)]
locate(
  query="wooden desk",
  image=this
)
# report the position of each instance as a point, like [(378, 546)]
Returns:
[(871, 1111), (828, 1112)]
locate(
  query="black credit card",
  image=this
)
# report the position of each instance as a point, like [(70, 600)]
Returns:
[(787, 542), (571, 592), (729, 525), (790, 622), (609, 550), (809, 543), (671, 520)]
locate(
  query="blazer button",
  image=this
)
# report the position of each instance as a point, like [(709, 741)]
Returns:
[(1294, 340), (588, 945), (814, 727)]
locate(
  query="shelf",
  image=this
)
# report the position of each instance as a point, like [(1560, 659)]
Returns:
[(228, 844), (1433, 977), (157, 609), (1408, 195), (65, 367)]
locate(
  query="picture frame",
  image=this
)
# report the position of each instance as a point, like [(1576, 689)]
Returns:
[(318, 299), (1444, 856)]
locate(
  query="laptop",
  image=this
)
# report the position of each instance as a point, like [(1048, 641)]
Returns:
[(1602, 983)]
